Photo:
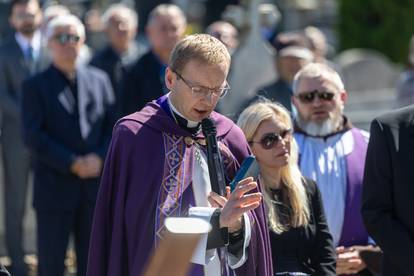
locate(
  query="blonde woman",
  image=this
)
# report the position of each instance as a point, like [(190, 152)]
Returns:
[(300, 240)]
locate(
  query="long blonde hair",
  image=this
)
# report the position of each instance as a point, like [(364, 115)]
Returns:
[(291, 177)]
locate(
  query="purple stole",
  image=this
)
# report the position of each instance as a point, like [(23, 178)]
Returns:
[(353, 230)]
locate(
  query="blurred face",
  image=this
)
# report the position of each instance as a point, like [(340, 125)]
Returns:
[(288, 67), (165, 31), (195, 91), (271, 144), (227, 34), (319, 104), (26, 18), (65, 45), (120, 31)]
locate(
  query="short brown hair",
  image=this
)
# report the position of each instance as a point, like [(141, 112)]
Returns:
[(200, 47)]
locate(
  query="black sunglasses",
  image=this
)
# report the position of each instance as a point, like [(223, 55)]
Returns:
[(270, 140), (65, 38), (308, 97)]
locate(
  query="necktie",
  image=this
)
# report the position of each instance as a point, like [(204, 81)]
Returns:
[(30, 58)]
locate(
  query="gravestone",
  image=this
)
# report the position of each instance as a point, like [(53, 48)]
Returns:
[(252, 65)]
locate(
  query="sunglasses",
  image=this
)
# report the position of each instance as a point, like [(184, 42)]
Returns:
[(308, 97), (66, 38), (270, 140)]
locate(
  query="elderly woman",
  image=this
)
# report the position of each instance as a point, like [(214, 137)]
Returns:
[(300, 240)]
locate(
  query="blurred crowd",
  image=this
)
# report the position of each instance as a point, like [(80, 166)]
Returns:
[(60, 98)]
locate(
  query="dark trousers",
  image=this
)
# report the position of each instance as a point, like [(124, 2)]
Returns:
[(53, 231), (16, 164)]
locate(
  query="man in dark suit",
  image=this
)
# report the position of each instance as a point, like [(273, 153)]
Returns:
[(292, 54), (67, 115), (146, 80), (387, 199), (20, 56), (120, 24)]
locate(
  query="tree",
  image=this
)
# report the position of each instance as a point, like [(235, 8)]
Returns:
[(383, 25)]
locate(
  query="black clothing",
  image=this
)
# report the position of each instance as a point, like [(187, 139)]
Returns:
[(387, 198), (143, 83), (116, 66), (306, 249), (279, 91)]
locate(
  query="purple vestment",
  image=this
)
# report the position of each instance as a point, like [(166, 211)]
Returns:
[(353, 230), (146, 178)]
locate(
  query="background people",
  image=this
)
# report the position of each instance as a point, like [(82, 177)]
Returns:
[(21, 55), (67, 124), (146, 79), (332, 152)]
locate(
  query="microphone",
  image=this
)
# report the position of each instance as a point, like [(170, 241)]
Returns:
[(214, 161)]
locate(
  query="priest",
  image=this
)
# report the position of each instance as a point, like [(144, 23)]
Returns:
[(157, 168)]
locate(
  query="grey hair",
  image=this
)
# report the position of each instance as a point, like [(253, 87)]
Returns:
[(65, 20), (166, 9), (123, 9), (316, 70), (54, 10)]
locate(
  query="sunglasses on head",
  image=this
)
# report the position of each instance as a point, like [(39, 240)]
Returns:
[(65, 38), (270, 140), (308, 97)]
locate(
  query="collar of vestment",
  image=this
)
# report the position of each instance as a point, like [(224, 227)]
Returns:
[(156, 118), (346, 125), (169, 108)]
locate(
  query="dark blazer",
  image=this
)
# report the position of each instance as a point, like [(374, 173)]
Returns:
[(387, 198), (3, 271), (278, 91), (111, 63), (53, 136), (143, 83), (306, 249), (13, 71)]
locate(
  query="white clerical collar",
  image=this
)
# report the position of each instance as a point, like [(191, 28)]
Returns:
[(190, 124)]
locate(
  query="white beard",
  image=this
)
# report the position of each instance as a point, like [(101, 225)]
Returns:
[(325, 128)]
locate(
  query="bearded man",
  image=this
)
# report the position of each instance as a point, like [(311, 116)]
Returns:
[(332, 152), (21, 56)]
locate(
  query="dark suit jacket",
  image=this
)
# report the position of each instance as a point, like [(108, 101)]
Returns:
[(279, 91), (54, 138), (306, 249), (388, 192), (142, 84), (110, 62), (13, 71)]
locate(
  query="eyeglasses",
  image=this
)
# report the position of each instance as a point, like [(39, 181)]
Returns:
[(308, 97), (270, 140), (66, 38), (204, 92)]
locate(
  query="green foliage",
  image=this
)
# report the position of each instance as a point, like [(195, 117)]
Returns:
[(384, 25)]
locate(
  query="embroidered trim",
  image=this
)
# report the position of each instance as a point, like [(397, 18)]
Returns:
[(172, 186)]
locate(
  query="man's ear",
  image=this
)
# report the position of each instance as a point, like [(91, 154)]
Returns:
[(170, 78), (344, 96), (293, 99)]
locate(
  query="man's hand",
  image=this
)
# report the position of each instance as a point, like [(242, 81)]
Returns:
[(88, 166), (348, 261), (94, 164), (235, 204)]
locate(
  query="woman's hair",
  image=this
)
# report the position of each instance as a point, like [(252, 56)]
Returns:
[(291, 177)]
